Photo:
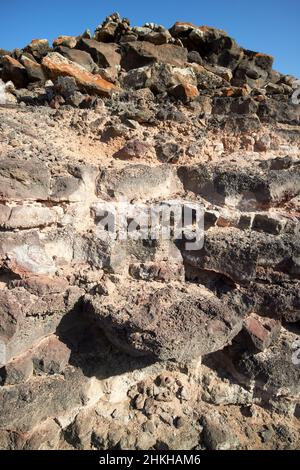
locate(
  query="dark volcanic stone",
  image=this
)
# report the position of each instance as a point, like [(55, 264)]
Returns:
[(165, 323), (139, 54)]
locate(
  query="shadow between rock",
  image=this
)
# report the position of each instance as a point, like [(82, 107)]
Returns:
[(91, 351)]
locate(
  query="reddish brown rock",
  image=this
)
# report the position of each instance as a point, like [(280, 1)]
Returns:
[(158, 38), (14, 71), (106, 33), (43, 437), (42, 285), (67, 41), (263, 331), (225, 222), (104, 54), (56, 65), (34, 70), (262, 144), (181, 27), (236, 91), (38, 48), (21, 180), (51, 356)]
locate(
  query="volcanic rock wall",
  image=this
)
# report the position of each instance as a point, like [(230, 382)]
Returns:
[(144, 344)]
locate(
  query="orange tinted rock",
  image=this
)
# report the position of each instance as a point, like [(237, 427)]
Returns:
[(185, 92), (142, 53), (262, 331), (56, 65), (14, 71), (67, 41)]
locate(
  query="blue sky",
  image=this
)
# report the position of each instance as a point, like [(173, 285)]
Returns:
[(270, 26)]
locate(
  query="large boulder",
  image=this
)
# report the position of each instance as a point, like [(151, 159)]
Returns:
[(273, 370), (280, 110), (29, 315), (55, 65), (34, 69), (279, 300), (229, 252), (14, 71), (165, 322), (160, 78), (28, 404), (273, 373), (141, 53), (181, 28), (105, 55), (81, 58), (139, 181)]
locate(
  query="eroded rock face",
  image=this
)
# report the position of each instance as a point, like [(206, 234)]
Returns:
[(146, 341)]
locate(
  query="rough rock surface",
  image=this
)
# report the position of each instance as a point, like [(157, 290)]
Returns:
[(112, 343)]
